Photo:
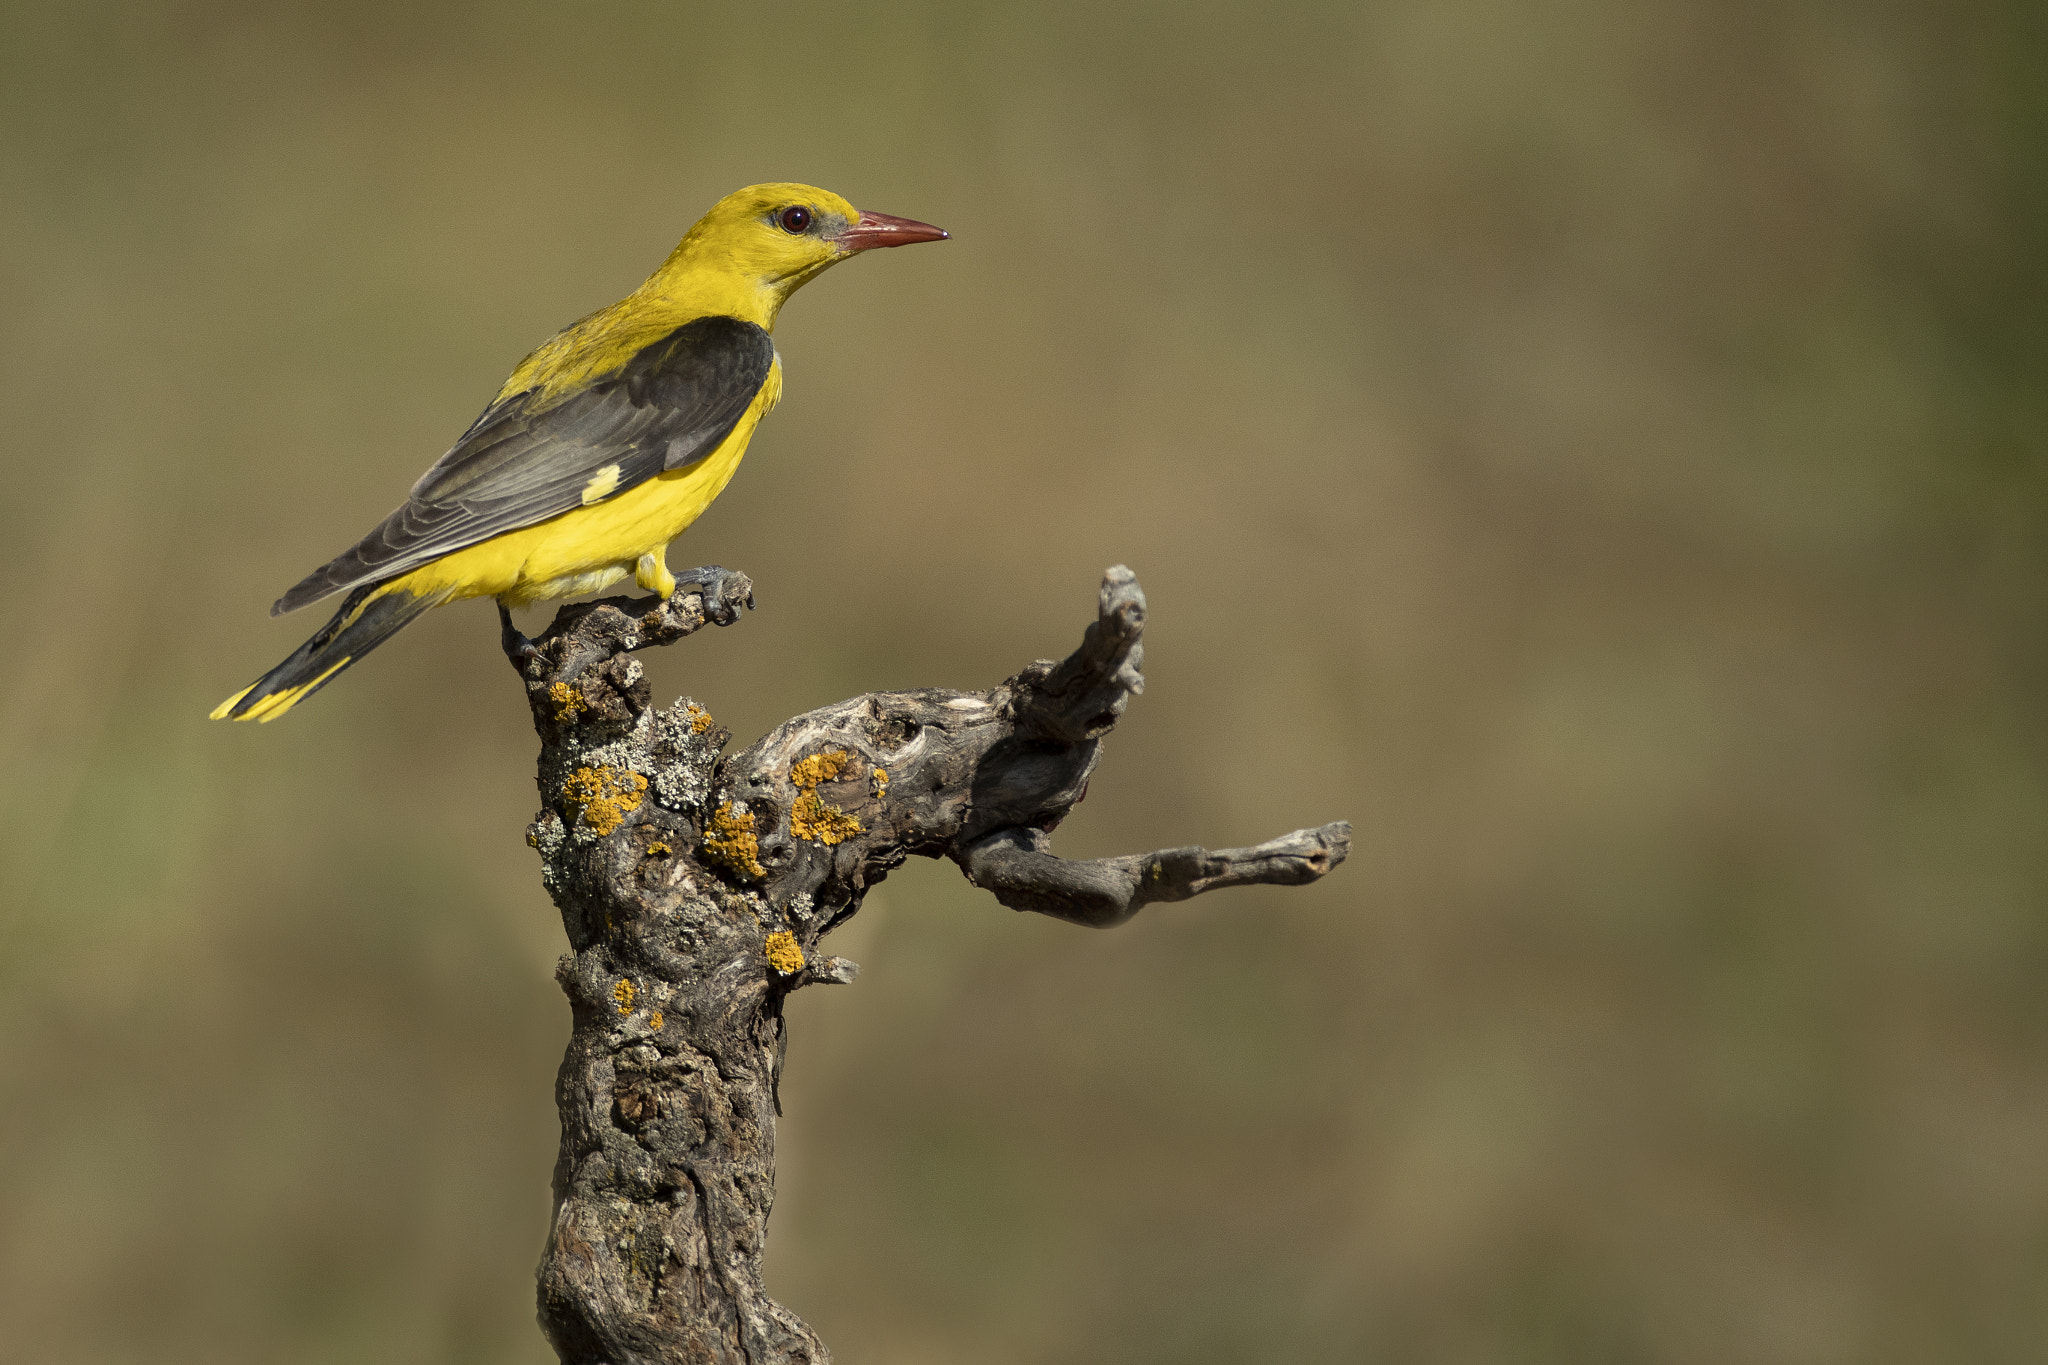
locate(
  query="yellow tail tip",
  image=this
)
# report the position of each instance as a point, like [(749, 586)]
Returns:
[(271, 705), (221, 712)]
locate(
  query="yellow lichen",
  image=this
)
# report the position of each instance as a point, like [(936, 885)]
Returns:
[(568, 701), (810, 817), (603, 796), (731, 841), (654, 1021), (625, 993), (818, 768), (783, 954), (658, 849), (700, 719), (879, 779)]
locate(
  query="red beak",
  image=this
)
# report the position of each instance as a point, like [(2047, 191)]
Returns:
[(879, 229)]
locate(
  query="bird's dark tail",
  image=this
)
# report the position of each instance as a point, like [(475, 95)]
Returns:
[(371, 615)]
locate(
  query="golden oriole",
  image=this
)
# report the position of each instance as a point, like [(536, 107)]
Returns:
[(604, 444)]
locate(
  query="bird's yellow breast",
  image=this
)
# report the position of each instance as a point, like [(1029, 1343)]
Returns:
[(589, 547)]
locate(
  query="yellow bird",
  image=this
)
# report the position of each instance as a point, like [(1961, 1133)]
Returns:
[(602, 447)]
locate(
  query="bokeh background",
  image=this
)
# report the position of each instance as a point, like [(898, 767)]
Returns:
[(1596, 447)]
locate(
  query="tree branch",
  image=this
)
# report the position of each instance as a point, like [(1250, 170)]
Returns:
[(1014, 864), (695, 893)]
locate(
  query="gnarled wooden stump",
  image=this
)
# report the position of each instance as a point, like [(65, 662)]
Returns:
[(696, 893)]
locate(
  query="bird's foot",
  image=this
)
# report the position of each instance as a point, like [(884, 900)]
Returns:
[(517, 647), (724, 592)]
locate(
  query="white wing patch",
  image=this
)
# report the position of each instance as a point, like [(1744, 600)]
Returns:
[(601, 484)]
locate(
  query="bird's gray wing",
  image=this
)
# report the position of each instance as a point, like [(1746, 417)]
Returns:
[(669, 405)]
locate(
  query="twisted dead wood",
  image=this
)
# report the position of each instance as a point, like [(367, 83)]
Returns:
[(696, 892)]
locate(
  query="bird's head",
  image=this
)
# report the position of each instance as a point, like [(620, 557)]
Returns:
[(762, 243)]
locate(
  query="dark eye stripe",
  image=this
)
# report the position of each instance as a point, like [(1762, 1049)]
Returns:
[(795, 219)]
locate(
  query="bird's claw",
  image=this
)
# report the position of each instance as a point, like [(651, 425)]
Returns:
[(724, 591)]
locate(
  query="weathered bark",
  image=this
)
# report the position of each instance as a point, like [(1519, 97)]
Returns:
[(696, 892)]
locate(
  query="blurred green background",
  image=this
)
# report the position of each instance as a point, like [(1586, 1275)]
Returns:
[(1598, 448)]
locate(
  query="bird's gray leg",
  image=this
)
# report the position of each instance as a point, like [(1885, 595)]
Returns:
[(517, 647)]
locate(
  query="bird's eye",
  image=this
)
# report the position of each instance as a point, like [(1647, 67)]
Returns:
[(795, 219)]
